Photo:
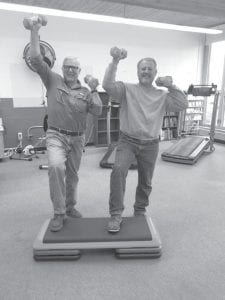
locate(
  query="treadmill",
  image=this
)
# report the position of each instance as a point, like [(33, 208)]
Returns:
[(190, 148)]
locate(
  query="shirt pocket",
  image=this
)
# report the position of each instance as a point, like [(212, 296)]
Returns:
[(62, 95), (81, 103)]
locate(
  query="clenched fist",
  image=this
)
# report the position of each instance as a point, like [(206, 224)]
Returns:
[(166, 81), (91, 82), (118, 54), (31, 22)]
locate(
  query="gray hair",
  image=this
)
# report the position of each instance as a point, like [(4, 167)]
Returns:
[(147, 59), (72, 60)]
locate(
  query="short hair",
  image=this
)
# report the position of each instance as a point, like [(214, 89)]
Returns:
[(147, 59), (73, 61)]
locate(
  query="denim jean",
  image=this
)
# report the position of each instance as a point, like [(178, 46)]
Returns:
[(128, 149), (64, 157)]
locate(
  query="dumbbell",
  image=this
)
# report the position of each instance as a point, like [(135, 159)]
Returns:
[(164, 81), (28, 23), (90, 80), (117, 53)]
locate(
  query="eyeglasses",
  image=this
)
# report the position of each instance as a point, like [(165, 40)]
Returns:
[(72, 68)]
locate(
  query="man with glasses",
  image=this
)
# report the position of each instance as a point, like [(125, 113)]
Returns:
[(68, 106)]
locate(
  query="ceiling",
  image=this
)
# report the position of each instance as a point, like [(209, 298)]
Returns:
[(198, 13)]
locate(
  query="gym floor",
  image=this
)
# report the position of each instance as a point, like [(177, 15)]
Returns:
[(187, 208)]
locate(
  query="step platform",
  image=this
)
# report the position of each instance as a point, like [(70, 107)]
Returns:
[(137, 238)]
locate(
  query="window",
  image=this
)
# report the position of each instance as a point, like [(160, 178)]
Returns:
[(217, 76)]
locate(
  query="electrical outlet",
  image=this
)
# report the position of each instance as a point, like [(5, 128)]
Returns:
[(20, 136)]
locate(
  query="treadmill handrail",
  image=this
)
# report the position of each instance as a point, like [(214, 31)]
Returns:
[(213, 120), (202, 90)]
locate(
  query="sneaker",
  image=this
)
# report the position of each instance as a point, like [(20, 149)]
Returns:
[(73, 213), (56, 223), (138, 213), (114, 223)]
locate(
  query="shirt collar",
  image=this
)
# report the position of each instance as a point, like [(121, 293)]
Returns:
[(75, 86)]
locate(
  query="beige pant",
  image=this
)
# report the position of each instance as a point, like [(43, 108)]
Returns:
[(64, 157)]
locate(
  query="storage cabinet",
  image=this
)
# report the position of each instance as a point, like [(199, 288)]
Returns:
[(170, 126)]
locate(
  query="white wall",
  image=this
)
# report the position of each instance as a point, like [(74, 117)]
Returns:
[(178, 53)]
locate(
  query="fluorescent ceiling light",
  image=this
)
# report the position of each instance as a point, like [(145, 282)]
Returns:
[(103, 18)]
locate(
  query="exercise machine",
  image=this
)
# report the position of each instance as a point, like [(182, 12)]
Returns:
[(17, 152), (40, 143), (108, 159), (137, 238), (31, 150), (190, 148)]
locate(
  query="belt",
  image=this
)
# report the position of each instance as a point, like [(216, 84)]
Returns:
[(67, 132), (138, 141)]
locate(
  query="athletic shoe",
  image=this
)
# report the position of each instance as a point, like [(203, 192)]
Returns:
[(56, 223), (114, 223), (73, 213)]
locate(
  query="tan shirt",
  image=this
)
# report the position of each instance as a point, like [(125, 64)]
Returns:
[(142, 108)]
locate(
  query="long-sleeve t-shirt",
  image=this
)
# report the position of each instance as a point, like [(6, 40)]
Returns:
[(67, 107), (142, 108)]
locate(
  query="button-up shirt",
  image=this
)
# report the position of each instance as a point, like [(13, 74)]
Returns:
[(67, 107)]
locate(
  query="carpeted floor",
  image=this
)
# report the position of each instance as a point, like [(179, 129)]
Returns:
[(187, 207)]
